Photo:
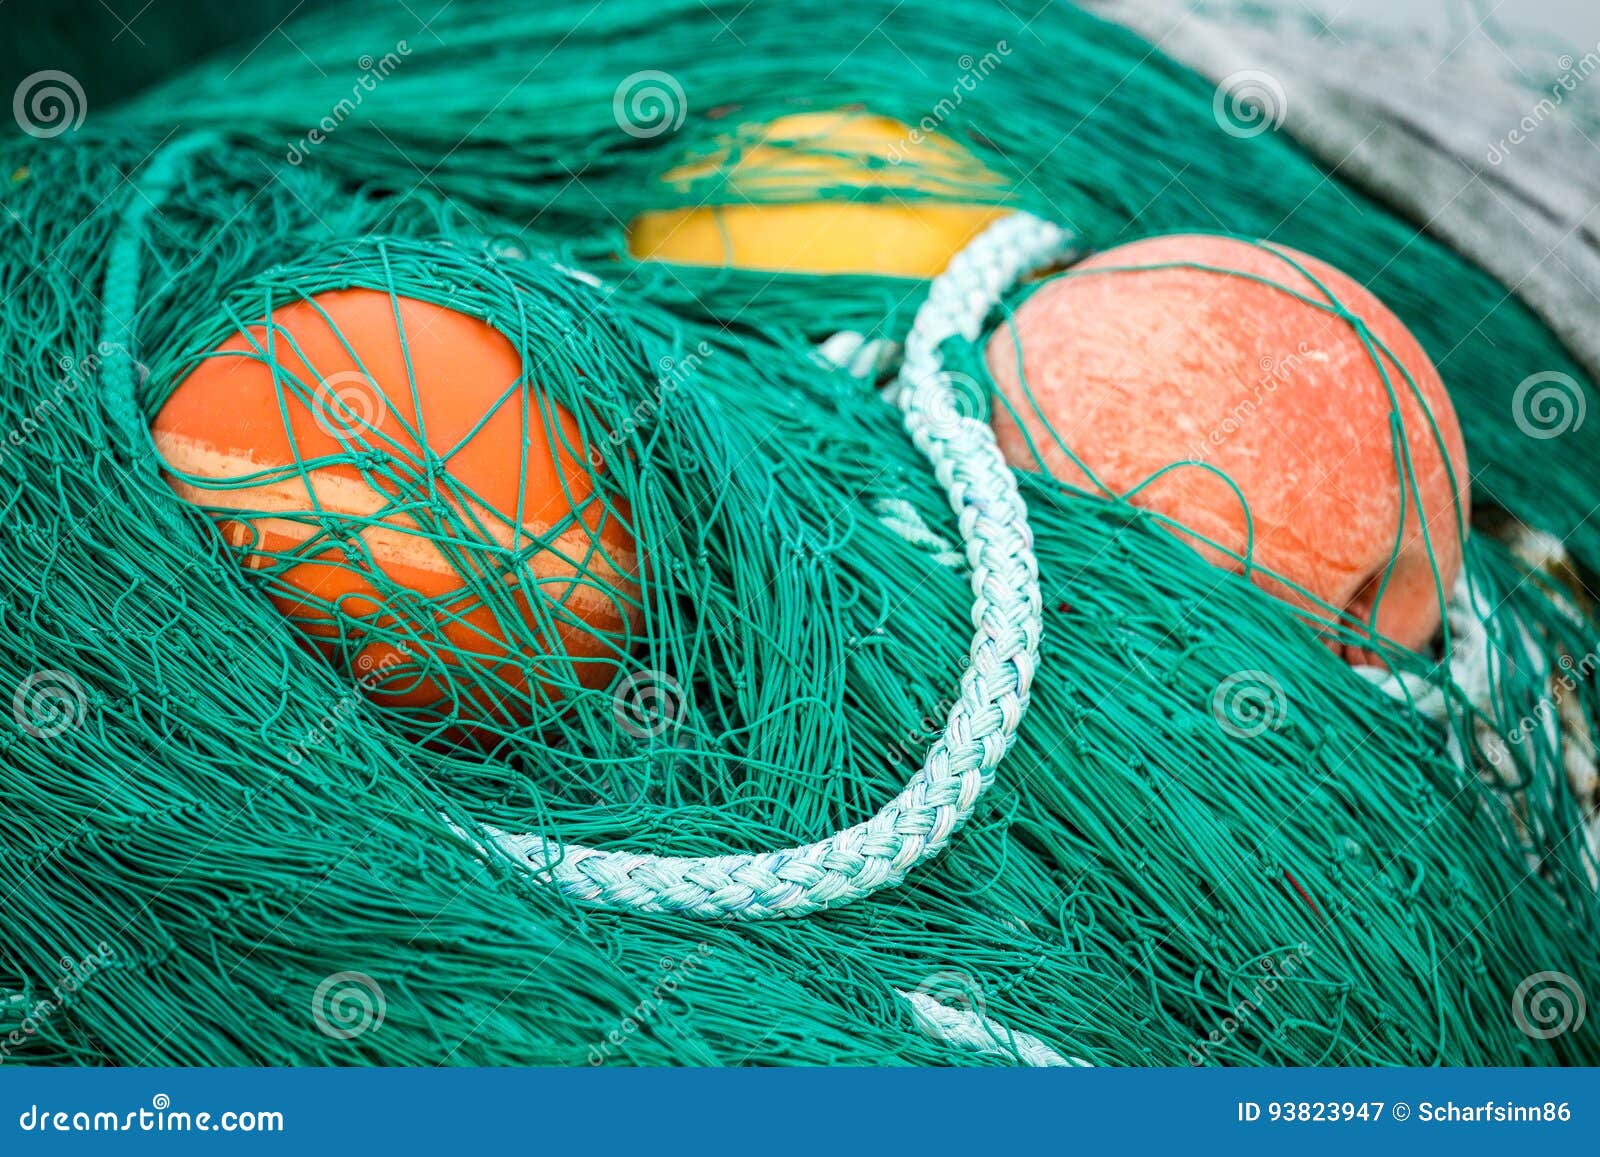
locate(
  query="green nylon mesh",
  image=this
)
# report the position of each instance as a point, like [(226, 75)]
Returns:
[(1121, 143), (189, 873)]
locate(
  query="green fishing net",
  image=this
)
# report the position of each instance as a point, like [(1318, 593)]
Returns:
[(228, 842)]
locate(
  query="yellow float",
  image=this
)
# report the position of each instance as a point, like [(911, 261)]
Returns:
[(864, 225)]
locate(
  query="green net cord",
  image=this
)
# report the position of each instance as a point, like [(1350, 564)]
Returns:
[(1142, 886)]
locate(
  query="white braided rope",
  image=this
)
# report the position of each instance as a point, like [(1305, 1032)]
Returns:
[(902, 518), (993, 696), (973, 1032), (1471, 662), (858, 355), (1474, 663)]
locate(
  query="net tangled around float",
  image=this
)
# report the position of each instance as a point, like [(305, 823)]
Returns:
[(233, 840)]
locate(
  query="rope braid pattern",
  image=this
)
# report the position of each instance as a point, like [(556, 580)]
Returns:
[(230, 876), (993, 696), (981, 725), (973, 1032), (1419, 916)]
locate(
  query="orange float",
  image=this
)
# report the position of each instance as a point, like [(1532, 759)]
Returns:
[(422, 521), (1138, 359), (851, 154)]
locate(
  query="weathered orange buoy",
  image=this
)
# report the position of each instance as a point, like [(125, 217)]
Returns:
[(1136, 359), (446, 542), (849, 152)]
